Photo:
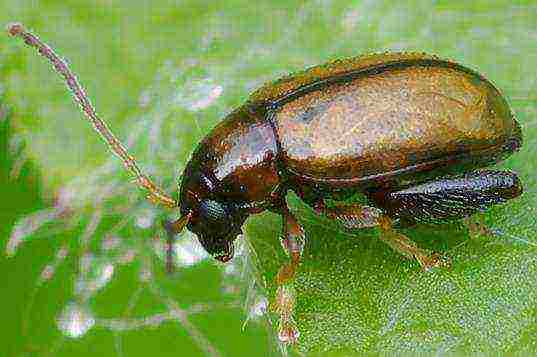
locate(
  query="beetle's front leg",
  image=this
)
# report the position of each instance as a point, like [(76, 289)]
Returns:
[(173, 228), (293, 240)]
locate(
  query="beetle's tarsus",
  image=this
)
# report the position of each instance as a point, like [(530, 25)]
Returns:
[(433, 260), (288, 332), (285, 304), (477, 227)]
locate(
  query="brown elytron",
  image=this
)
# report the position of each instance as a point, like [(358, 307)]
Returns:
[(383, 124), (407, 130)]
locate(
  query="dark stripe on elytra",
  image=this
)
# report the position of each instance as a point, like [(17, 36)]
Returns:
[(369, 71)]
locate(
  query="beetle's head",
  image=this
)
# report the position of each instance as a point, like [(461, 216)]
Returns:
[(216, 221)]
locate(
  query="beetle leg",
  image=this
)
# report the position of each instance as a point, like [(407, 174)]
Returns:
[(352, 216), (408, 248), (293, 240), (173, 228), (285, 306), (477, 226), (355, 216), (293, 243)]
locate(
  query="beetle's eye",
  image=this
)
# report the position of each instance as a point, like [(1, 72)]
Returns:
[(213, 211)]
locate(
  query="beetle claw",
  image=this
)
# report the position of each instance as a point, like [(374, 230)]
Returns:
[(477, 227), (288, 332), (434, 260), (284, 305)]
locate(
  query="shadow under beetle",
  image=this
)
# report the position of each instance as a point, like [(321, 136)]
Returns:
[(410, 131)]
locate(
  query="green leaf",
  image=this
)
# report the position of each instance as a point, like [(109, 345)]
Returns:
[(354, 294)]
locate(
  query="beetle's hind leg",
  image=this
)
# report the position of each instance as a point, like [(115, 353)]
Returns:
[(408, 248), (355, 216), (477, 227), (442, 200)]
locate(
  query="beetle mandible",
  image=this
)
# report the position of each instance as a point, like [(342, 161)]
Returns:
[(410, 131)]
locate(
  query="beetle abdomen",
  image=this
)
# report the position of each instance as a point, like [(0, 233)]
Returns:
[(381, 120)]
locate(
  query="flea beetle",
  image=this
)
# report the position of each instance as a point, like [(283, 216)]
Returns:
[(411, 132)]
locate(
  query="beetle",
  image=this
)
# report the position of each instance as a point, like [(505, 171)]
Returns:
[(411, 132)]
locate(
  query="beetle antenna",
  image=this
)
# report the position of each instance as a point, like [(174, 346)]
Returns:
[(155, 193)]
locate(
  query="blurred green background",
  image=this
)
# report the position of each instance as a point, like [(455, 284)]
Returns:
[(163, 74)]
